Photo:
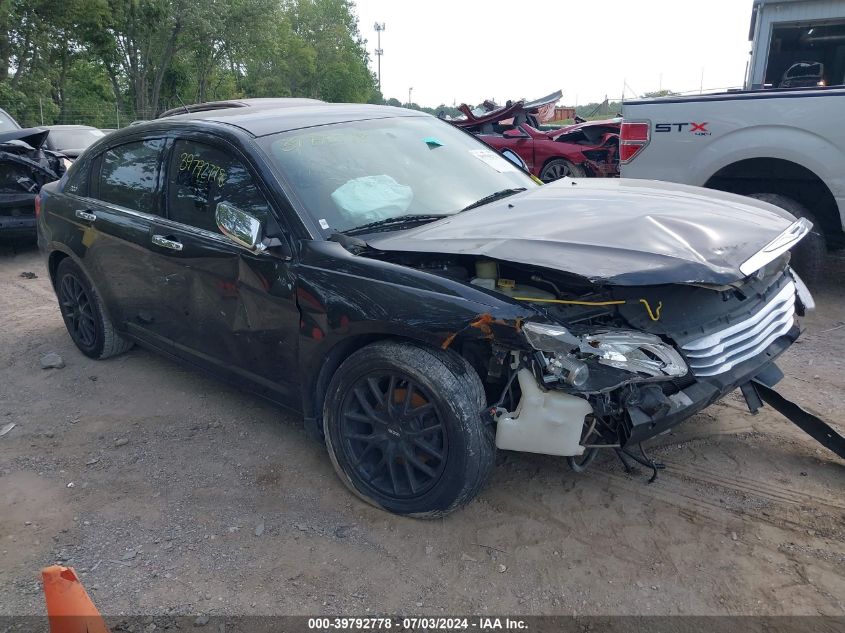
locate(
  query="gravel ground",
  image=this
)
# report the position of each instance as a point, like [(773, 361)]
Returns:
[(173, 494)]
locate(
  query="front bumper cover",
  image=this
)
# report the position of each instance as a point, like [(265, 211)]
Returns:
[(640, 426)]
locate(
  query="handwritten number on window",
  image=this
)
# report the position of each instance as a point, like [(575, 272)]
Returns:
[(201, 171)]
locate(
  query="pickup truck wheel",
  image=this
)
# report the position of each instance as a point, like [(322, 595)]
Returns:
[(403, 429), (560, 168), (85, 318), (808, 258)]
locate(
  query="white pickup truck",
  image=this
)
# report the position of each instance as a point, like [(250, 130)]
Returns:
[(785, 147)]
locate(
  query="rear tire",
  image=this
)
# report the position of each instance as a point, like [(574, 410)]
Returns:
[(808, 257), (404, 431), (84, 314), (560, 168)]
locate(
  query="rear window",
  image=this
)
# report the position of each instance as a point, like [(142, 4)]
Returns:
[(7, 123), (129, 175), (74, 138)]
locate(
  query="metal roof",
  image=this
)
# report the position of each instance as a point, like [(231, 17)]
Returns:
[(252, 102), (271, 120)]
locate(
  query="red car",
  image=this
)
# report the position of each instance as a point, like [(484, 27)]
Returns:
[(590, 148)]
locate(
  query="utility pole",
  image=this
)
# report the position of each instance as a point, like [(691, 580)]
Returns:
[(410, 90), (379, 51)]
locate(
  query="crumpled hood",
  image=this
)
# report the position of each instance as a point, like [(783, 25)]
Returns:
[(32, 136), (617, 231)]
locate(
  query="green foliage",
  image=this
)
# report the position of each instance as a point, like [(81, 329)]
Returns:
[(102, 62), (608, 109), (442, 109), (601, 110), (658, 93)]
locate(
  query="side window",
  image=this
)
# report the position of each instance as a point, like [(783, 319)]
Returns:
[(77, 178), (200, 176), (129, 175)]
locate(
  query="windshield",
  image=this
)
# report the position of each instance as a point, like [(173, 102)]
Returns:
[(351, 174), (74, 138), (7, 123)]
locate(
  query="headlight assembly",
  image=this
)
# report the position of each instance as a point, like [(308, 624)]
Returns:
[(547, 337), (636, 352), (602, 360)]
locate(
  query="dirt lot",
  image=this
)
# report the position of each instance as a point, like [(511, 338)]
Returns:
[(171, 493)]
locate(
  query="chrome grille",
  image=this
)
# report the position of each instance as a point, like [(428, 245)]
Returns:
[(718, 352)]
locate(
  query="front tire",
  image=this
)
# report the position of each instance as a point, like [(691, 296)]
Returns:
[(84, 314), (808, 257), (560, 168), (404, 431)]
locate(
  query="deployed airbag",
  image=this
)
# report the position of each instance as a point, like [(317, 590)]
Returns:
[(372, 198)]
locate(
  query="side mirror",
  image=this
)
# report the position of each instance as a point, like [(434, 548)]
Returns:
[(514, 133), (239, 226), (515, 158)]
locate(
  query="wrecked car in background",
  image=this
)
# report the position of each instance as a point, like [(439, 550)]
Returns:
[(588, 148), (418, 298), (71, 140), (25, 166)]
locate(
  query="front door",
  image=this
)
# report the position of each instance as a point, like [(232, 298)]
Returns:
[(235, 310)]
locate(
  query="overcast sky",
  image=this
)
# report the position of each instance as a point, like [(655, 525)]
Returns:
[(471, 50)]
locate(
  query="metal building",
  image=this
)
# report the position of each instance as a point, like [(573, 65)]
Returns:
[(797, 43)]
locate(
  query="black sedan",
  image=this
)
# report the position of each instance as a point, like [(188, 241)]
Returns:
[(418, 298), (71, 140)]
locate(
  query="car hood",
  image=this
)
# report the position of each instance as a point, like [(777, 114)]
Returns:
[(32, 136), (614, 231)]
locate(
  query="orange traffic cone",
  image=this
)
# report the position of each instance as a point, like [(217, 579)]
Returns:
[(68, 606)]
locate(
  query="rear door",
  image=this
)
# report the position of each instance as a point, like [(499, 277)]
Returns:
[(232, 310), (124, 197)]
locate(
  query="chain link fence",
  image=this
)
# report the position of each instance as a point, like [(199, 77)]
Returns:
[(105, 116)]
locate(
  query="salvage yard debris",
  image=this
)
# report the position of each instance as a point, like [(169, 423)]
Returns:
[(52, 361), (586, 148)]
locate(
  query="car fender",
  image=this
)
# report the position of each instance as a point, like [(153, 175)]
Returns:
[(347, 301), (805, 148)]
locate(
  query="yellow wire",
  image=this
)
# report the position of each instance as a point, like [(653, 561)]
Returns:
[(574, 303), (654, 315)]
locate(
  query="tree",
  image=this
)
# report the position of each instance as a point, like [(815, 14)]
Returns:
[(659, 93), (94, 60)]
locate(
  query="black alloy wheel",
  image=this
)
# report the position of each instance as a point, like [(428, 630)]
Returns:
[(84, 314), (404, 431), (393, 435), (77, 308)]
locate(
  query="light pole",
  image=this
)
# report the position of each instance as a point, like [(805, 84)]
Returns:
[(379, 51), (410, 90)]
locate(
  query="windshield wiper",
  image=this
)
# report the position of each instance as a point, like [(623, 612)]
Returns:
[(399, 221), (504, 193)]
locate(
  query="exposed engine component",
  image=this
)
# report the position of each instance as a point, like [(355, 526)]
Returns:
[(547, 422), (487, 276)]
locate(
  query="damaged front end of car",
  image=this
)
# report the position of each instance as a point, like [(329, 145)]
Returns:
[(608, 366), (641, 364), (24, 168)]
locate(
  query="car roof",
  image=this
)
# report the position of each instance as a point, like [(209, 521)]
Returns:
[(253, 102), (271, 120), (69, 127)]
